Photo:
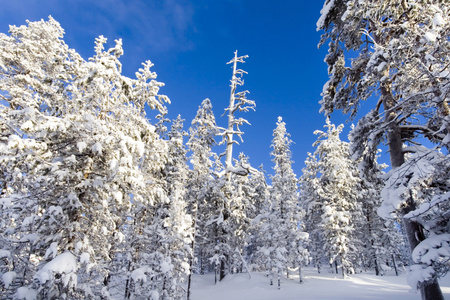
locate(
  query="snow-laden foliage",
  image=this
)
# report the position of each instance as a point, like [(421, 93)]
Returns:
[(330, 199), (282, 239), (423, 179), (382, 242), (171, 239), (312, 204), (77, 156), (396, 50), (200, 183)]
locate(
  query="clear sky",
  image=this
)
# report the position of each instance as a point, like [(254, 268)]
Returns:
[(190, 43)]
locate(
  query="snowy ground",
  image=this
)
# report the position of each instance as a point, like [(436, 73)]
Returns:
[(315, 286)]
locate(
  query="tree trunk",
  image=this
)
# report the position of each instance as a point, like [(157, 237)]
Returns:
[(222, 270), (377, 267), (394, 262), (216, 270), (191, 259), (300, 276)]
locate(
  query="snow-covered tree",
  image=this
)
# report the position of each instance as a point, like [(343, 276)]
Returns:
[(401, 55), (259, 199), (241, 210), (238, 103), (311, 203), (75, 147), (382, 242), (178, 230), (283, 241), (226, 193), (200, 183), (423, 178), (337, 194)]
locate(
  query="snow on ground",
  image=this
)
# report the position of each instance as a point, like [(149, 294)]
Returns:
[(315, 286)]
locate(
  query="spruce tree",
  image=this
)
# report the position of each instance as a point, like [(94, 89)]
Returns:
[(336, 192), (282, 245)]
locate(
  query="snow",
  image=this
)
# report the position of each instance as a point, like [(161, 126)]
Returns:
[(85, 258), (432, 248), (438, 20), (27, 221), (139, 274), (52, 250), (420, 273), (81, 146), (97, 148), (314, 286), (5, 253), (430, 37), (26, 293), (166, 267), (64, 263), (324, 13), (8, 278)]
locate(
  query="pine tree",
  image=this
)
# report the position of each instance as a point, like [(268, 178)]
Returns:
[(311, 203), (283, 242), (200, 184), (259, 198), (381, 239), (385, 35), (178, 229), (227, 196), (337, 199)]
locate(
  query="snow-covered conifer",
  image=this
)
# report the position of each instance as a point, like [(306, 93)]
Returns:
[(284, 241), (412, 100), (336, 190), (310, 201), (381, 240), (76, 148), (423, 178), (200, 182)]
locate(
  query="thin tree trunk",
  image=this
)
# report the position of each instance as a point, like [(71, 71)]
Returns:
[(395, 264), (230, 129), (216, 269), (300, 276), (377, 267), (222, 270), (191, 260)]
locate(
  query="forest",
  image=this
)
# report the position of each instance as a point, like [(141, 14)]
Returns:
[(98, 202)]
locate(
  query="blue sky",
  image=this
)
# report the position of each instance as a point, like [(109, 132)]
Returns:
[(190, 43)]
